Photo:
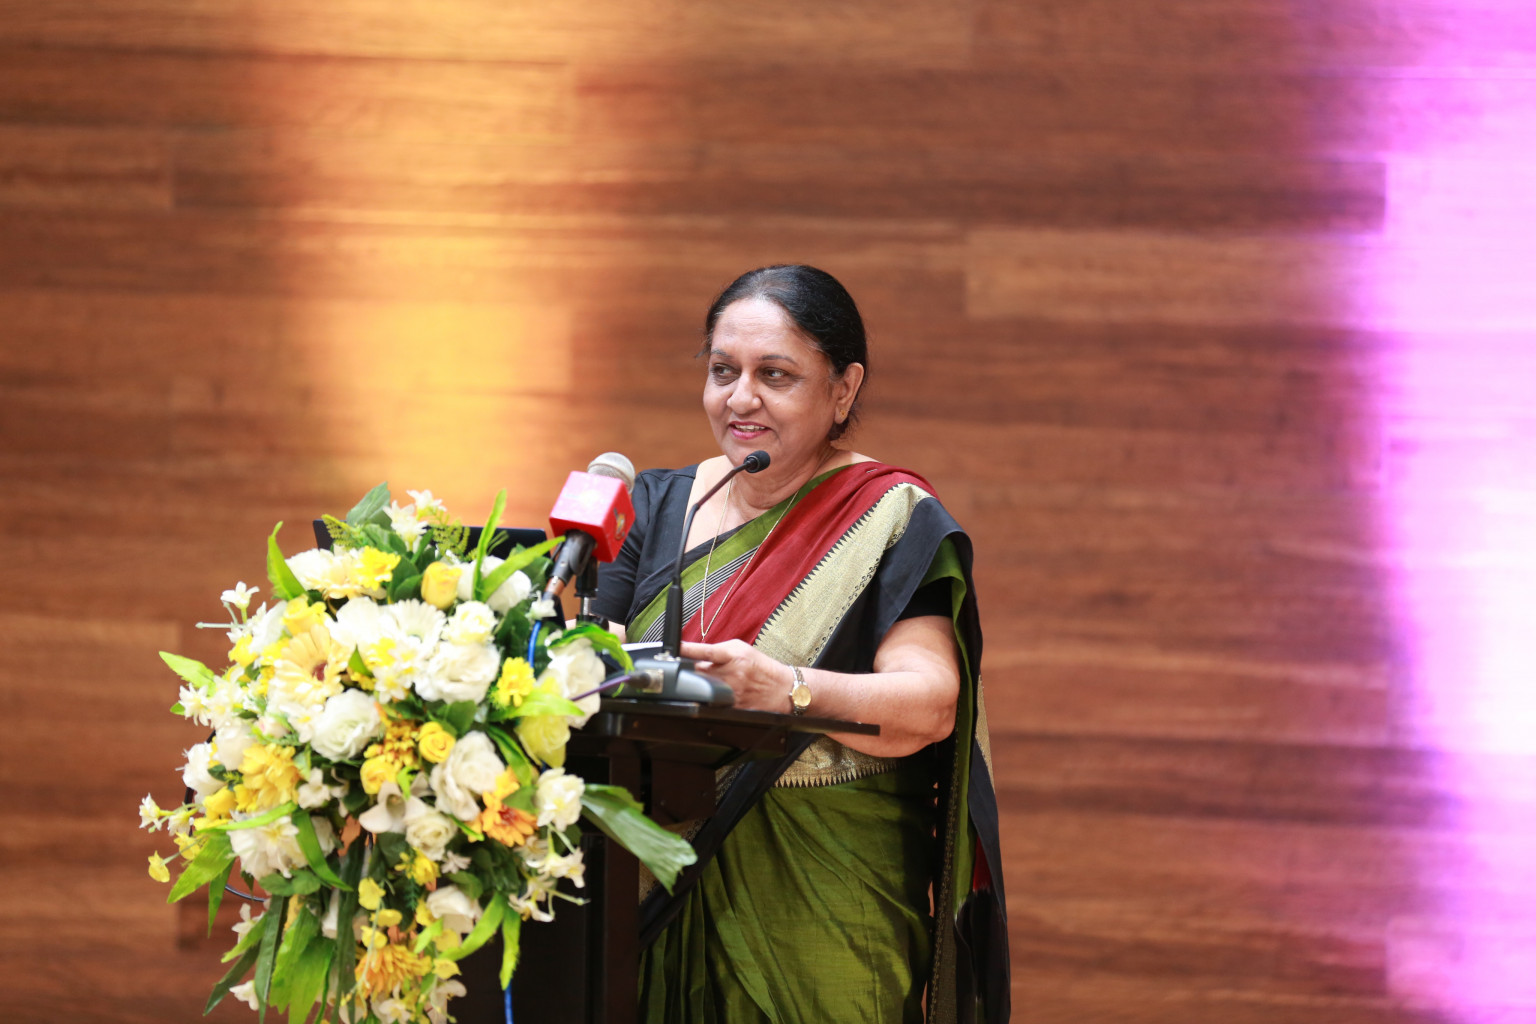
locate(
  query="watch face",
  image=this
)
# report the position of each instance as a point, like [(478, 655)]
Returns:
[(800, 696)]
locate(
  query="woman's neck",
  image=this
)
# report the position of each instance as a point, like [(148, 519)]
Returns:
[(752, 494)]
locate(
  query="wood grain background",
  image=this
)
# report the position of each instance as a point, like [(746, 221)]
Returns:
[(1144, 289)]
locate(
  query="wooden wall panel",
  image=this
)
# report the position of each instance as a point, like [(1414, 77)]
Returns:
[(1157, 293)]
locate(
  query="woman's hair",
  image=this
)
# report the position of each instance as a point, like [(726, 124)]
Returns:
[(819, 306)]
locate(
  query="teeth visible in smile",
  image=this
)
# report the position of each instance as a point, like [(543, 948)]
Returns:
[(747, 429)]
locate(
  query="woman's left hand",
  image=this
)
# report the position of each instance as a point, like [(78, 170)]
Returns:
[(759, 682)]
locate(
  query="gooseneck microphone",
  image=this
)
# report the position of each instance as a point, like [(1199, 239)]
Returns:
[(672, 629), (667, 674)]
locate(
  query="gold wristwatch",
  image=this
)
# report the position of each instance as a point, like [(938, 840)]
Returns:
[(799, 693)]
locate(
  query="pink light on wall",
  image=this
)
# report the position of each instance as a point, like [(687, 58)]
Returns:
[(1451, 289)]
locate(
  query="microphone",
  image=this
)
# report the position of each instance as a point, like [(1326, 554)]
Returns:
[(668, 675), (595, 512)]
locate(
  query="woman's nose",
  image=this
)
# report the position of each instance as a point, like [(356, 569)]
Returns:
[(744, 396)]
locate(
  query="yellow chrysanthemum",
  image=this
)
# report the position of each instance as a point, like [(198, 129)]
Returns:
[(270, 778), (514, 684), (508, 825), (384, 970), (377, 567)]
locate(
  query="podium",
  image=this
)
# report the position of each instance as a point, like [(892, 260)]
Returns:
[(583, 967)]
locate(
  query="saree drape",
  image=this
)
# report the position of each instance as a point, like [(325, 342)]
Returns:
[(810, 902)]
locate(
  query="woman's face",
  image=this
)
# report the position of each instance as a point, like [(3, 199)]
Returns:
[(770, 388)]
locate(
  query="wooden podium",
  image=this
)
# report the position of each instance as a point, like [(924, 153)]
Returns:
[(583, 968)]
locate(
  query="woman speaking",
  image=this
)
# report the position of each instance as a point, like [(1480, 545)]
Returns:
[(835, 585)]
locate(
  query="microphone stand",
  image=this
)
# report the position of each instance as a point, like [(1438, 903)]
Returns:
[(667, 674)]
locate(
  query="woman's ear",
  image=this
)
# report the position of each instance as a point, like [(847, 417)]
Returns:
[(846, 389)]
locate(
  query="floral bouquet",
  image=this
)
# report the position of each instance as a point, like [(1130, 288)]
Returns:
[(387, 764)]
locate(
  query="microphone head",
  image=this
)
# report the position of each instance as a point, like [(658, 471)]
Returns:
[(615, 465), (756, 462)]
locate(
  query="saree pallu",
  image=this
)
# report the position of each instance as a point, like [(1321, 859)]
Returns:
[(810, 902)]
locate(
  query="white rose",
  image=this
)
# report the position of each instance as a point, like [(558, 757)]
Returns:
[(230, 743), (557, 800), (577, 669), (460, 672), (470, 769), (471, 624), (513, 590), (196, 775), (350, 722), (456, 910), (428, 830)]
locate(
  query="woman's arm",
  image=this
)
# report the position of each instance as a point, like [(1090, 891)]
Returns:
[(910, 694)]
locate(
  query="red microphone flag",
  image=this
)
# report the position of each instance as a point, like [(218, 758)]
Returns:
[(596, 505)]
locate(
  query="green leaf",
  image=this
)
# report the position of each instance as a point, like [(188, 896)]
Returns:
[(618, 814), (249, 939), (512, 754), (265, 818), (519, 560), (285, 585), (301, 883), (177, 709), (511, 929), (428, 933), (272, 920), (372, 504), (300, 930), (458, 717), (310, 844), (307, 977), (216, 892), (212, 861), (406, 589), (471, 885), (194, 672), (346, 952), (483, 931), (232, 977), (486, 533), (544, 702), (602, 640)]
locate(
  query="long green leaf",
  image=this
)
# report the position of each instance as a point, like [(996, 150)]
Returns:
[(516, 561), (265, 818), (295, 943), (194, 672), (511, 931), (483, 930), (346, 952), (247, 940), (543, 702), (285, 585), (307, 978), (372, 504), (210, 862), (277, 910), (300, 883), (216, 892), (231, 978), (618, 814), (487, 532), (310, 844)]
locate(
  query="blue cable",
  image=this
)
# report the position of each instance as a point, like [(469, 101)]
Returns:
[(533, 639), (507, 994)]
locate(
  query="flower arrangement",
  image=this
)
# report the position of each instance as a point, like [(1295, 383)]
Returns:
[(387, 763)]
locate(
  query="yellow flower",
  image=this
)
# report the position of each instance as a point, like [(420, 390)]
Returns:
[(369, 894), (545, 737), (424, 915), (377, 567), (375, 772), (434, 742), (241, 653), (270, 778), (157, 869), (387, 918), (445, 969), (219, 805), (299, 616), (440, 584), (420, 867), (389, 968), (514, 683), (507, 825)]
